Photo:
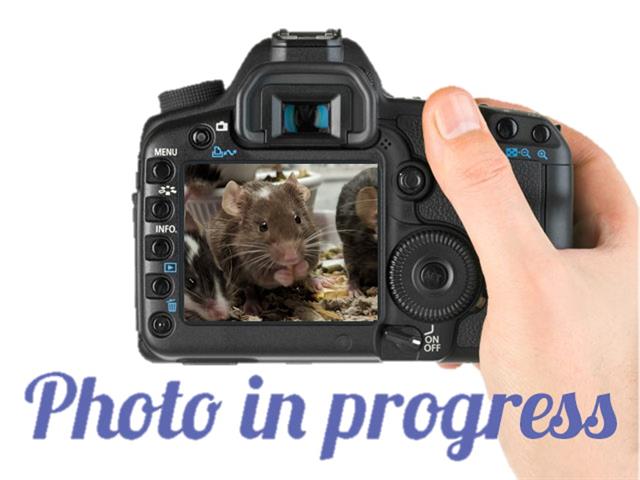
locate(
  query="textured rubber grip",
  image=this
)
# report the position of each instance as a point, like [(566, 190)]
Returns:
[(191, 96)]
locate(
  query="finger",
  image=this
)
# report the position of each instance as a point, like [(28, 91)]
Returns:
[(478, 180), (604, 207), (449, 366)]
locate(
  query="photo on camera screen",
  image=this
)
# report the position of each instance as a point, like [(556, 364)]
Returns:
[(281, 242)]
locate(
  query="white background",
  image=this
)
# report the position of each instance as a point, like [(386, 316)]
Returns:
[(79, 80)]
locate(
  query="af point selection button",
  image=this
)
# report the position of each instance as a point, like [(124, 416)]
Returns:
[(507, 128)]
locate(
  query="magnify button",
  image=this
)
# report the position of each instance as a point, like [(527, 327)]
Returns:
[(542, 155)]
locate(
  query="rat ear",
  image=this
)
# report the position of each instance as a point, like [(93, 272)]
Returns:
[(231, 198), (367, 205), (190, 224), (304, 191)]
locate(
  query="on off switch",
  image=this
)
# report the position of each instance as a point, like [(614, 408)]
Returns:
[(406, 338)]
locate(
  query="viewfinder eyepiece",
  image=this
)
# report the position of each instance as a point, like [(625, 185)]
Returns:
[(306, 117)]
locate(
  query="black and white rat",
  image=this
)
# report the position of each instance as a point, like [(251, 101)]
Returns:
[(264, 237), (200, 180), (205, 293), (357, 225)]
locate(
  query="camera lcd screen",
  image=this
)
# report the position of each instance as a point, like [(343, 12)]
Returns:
[(281, 242)]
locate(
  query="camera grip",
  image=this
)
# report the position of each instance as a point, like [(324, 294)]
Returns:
[(530, 176)]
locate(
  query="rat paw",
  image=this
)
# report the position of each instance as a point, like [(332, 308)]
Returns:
[(320, 283), (252, 307), (284, 277), (353, 289)]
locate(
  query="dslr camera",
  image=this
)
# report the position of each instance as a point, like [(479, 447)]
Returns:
[(293, 216)]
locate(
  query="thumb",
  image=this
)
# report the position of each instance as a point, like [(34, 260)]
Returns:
[(479, 182)]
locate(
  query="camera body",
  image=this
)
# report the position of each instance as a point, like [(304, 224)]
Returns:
[(315, 98)]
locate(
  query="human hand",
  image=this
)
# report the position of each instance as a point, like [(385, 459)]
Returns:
[(558, 321)]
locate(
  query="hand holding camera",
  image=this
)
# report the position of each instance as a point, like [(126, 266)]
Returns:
[(557, 320)]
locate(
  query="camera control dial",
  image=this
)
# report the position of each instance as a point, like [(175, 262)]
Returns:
[(434, 275)]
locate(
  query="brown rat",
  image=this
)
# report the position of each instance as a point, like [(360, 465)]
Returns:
[(201, 179), (263, 236), (357, 224)]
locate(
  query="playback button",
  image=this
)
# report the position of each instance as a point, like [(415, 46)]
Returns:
[(158, 286)]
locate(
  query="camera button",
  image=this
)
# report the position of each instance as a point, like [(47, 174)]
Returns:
[(158, 248), (201, 137), (436, 275), (159, 170), (161, 248), (344, 342), (158, 286), (507, 128), (541, 133), (160, 324), (411, 180), (158, 209)]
